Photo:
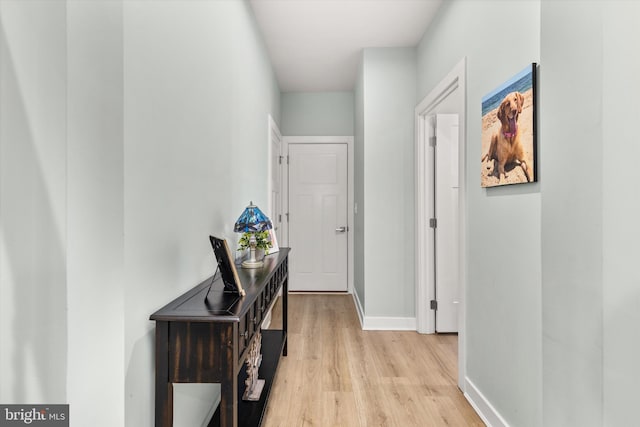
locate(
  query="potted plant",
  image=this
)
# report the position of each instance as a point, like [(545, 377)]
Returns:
[(261, 238)]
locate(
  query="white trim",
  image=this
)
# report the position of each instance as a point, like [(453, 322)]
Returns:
[(372, 323), (272, 127), (482, 406), (286, 140), (425, 319), (359, 309), (425, 322)]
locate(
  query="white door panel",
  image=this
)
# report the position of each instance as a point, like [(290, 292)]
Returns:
[(317, 211), (446, 213)]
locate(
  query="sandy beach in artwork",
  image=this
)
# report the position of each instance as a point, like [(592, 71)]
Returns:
[(491, 125)]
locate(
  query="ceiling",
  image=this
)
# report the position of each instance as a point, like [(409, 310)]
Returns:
[(315, 45)]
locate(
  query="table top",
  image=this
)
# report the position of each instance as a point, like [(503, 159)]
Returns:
[(220, 306)]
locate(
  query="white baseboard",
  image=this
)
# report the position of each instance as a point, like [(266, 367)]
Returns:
[(371, 323), (359, 308), (482, 406), (389, 323)]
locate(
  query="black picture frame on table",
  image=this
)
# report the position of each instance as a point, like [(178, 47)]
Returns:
[(227, 267)]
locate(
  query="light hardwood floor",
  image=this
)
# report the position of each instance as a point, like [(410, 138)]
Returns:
[(336, 374)]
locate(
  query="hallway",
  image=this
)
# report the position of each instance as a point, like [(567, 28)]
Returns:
[(336, 374)]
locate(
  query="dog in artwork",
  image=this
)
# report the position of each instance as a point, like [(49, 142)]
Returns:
[(505, 147)]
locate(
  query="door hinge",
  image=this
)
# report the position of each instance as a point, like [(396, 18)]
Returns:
[(287, 159), (280, 160), (287, 215), (432, 141), (433, 223), (279, 218), (434, 304)]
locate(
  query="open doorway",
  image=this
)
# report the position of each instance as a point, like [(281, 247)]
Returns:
[(448, 97)]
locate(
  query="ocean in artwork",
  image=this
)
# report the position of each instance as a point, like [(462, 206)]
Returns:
[(521, 82)]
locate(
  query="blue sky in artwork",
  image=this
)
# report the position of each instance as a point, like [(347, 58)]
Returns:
[(520, 82)]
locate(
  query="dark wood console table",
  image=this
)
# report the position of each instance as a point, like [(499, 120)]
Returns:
[(202, 340)]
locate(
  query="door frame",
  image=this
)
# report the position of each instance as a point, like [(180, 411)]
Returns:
[(348, 140), (272, 127), (425, 321)]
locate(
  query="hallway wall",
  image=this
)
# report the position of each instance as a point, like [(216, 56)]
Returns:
[(572, 215), (621, 208), (198, 89), (553, 293), (95, 212), (129, 131), (358, 218), (591, 286), (33, 210), (384, 175), (317, 113), (503, 299)]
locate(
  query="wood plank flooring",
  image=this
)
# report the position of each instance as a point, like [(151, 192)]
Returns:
[(336, 374)]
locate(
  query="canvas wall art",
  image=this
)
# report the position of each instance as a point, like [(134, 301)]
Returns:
[(509, 143)]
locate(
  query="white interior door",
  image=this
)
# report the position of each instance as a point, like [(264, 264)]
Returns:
[(318, 226), (275, 172), (446, 212)]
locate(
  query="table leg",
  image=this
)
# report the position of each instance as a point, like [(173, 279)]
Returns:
[(164, 387), (229, 401), (285, 311)]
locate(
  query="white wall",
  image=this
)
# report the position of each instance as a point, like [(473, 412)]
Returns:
[(95, 188), (554, 297), (621, 277), (129, 131), (61, 207), (389, 95), (198, 88), (317, 113), (33, 211), (503, 329), (358, 237), (591, 292), (572, 212)]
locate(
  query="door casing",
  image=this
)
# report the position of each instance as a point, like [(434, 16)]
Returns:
[(274, 150), (453, 83), (348, 140)]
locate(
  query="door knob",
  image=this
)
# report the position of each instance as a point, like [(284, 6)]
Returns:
[(342, 229)]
